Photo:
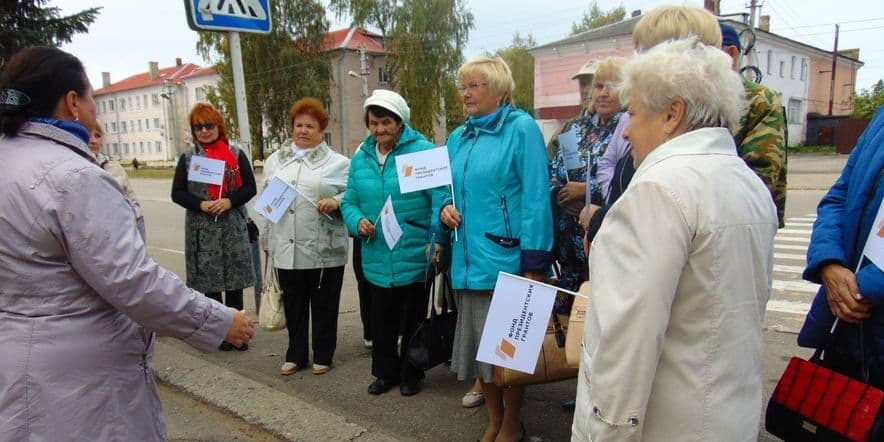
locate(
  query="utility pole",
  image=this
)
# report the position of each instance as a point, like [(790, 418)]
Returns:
[(239, 93), (713, 6), (753, 4), (363, 70), (834, 65)]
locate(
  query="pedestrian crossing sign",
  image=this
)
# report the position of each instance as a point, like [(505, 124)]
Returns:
[(229, 15)]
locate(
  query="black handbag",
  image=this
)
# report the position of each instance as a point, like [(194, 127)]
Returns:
[(433, 340)]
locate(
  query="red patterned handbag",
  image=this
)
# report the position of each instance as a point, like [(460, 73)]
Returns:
[(812, 402)]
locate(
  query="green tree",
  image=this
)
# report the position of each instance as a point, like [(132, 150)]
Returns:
[(594, 17), (26, 23), (521, 62), (279, 68), (424, 41), (868, 101)]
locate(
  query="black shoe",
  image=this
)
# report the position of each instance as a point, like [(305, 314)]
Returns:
[(225, 346), (243, 347), (410, 388), (381, 386), (569, 405)]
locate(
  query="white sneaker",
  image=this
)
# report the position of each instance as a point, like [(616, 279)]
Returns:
[(288, 368), (473, 399), (367, 343)]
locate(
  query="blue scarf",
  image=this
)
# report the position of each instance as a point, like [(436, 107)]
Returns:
[(72, 127), (487, 122)]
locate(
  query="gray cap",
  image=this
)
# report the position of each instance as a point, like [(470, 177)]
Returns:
[(587, 69)]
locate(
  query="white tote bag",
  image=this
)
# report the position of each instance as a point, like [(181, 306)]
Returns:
[(271, 316)]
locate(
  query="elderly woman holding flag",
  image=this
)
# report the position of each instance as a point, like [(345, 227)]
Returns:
[(842, 257), (501, 213), (394, 230), (308, 244)]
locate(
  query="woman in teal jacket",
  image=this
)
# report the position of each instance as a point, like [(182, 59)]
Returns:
[(396, 275), (501, 210)]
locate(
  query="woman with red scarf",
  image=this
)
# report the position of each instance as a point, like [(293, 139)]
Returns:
[(216, 248)]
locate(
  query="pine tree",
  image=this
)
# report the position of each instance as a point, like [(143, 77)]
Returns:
[(595, 18), (26, 23)]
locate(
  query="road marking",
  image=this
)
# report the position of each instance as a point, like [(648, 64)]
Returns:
[(787, 306), (795, 286), (798, 224), (801, 239), (789, 256), (798, 231), (803, 219), (177, 252), (789, 247), (797, 270)]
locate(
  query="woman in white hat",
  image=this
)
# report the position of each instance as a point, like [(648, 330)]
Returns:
[(395, 272)]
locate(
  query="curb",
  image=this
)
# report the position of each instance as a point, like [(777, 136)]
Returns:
[(282, 414)]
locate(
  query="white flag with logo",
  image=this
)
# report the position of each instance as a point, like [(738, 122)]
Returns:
[(874, 249), (275, 199), (389, 224), (423, 170), (570, 152), (206, 170), (516, 323)]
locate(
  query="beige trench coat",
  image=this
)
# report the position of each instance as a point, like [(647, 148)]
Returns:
[(80, 299), (681, 272)]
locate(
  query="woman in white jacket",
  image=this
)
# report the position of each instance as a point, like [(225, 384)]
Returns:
[(308, 246), (681, 268)]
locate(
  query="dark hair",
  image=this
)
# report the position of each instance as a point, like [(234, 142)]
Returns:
[(43, 75), (381, 112), (309, 106)]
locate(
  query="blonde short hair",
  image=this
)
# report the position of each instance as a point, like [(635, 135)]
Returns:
[(496, 73), (699, 74), (609, 70), (675, 23)]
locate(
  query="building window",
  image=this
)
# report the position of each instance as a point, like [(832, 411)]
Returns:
[(327, 138), (147, 124), (782, 68), (106, 128), (139, 125), (155, 99), (794, 111), (159, 147), (116, 149), (769, 61), (110, 105), (113, 127), (122, 104), (200, 94), (138, 102), (383, 77), (141, 147), (130, 103), (145, 101), (792, 68), (126, 148), (803, 69), (156, 123), (103, 106), (123, 127)]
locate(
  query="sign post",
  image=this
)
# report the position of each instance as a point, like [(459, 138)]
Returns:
[(233, 17)]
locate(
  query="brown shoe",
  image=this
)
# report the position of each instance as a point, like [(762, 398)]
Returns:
[(321, 369)]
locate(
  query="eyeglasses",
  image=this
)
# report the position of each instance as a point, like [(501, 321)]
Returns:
[(472, 87), (207, 126)]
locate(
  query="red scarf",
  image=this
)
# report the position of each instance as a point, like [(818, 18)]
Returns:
[(220, 150)]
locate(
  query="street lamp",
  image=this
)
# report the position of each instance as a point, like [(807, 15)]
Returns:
[(169, 94)]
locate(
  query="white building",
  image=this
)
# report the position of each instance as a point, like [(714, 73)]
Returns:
[(137, 111)]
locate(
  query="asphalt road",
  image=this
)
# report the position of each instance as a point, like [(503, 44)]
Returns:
[(435, 414)]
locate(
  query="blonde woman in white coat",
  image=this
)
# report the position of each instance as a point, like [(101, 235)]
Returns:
[(681, 268), (308, 245)]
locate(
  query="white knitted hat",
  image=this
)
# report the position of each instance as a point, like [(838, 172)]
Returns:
[(391, 101)]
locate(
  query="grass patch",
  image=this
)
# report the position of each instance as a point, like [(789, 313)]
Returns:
[(146, 172), (811, 149)]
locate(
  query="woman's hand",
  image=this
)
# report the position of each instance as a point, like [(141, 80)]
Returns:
[(365, 228), (572, 191), (534, 276), (241, 331), (843, 295), (586, 215), (206, 207), (327, 205), (450, 216), (436, 259), (217, 207)]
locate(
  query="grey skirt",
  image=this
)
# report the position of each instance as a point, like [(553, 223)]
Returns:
[(472, 309)]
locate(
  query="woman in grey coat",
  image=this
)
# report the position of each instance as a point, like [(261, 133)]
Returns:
[(80, 298)]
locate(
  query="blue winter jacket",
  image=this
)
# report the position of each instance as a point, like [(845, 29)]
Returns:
[(501, 189), (845, 217), (368, 186)]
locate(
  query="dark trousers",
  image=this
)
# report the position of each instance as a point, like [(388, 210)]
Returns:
[(392, 308), (363, 290), (233, 298), (316, 292)]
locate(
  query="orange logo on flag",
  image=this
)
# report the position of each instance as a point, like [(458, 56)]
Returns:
[(506, 350), (196, 167), (881, 230), (269, 209), (407, 170)]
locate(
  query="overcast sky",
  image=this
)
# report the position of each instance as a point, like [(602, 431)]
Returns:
[(129, 33)]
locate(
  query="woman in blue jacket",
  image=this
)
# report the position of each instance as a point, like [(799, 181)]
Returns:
[(396, 275), (501, 211), (845, 220)]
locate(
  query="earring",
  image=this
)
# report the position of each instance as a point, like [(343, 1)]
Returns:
[(76, 118)]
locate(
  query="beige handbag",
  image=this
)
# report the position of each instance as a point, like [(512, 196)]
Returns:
[(574, 338), (551, 365), (271, 317)]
